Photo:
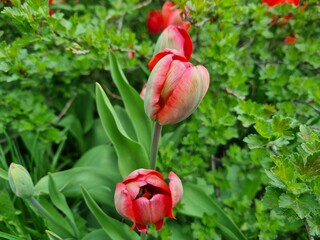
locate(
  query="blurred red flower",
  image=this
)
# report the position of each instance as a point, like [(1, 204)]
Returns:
[(272, 3), (169, 15)]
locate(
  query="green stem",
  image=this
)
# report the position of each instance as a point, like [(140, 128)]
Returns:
[(45, 214), (143, 236), (155, 143)]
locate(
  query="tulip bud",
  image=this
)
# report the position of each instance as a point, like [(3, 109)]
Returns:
[(20, 181), (175, 88), (176, 38), (145, 198)]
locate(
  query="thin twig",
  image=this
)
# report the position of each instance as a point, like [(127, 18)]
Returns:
[(66, 108), (115, 96), (308, 229), (141, 5), (228, 91), (308, 104), (120, 24)]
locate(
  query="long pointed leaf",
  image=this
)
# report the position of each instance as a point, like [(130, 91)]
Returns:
[(59, 200), (131, 155), (114, 228), (133, 104), (196, 202)]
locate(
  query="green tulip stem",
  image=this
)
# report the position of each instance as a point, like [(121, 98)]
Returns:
[(155, 144), (45, 214), (143, 236)]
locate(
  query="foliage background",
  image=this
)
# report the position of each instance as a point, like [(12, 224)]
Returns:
[(252, 146)]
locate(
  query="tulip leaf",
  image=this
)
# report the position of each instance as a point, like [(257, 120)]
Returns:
[(100, 182), (9, 236), (3, 174), (196, 202), (114, 228), (97, 235), (131, 155), (59, 200), (133, 104)]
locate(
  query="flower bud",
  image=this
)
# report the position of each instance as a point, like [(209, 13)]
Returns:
[(175, 88), (177, 38), (145, 198), (20, 181)]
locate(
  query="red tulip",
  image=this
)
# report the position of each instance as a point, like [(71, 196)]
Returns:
[(169, 15), (272, 3), (175, 37), (175, 87), (145, 198), (172, 16), (155, 22)]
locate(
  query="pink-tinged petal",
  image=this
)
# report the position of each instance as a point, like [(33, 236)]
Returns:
[(156, 58), (175, 38), (133, 188), (152, 100), (123, 202), (186, 96), (141, 173), (167, 10), (176, 188), (159, 224), (153, 210), (142, 228), (158, 182), (177, 69)]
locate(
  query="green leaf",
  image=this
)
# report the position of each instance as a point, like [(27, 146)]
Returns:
[(100, 182), (303, 205), (114, 228), (133, 104), (9, 236), (196, 202), (53, 236), (3, 174), (131, 155), (97, 235), (59, 200)]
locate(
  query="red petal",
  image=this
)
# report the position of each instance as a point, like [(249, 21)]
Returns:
[(155, 22), (123, 202), (157, 182), (186, 96), (156, 58), (176, 188), (141, 174), (153, 210), (159, 224)]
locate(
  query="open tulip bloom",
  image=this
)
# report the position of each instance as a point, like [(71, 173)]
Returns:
[(145, 198), (175, 87)]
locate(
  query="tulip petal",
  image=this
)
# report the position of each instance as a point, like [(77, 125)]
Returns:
[(133, 188), (141, 173), (153, 210), (174, 75), (167, 51), (159, 224), (159, 183), (123, 203), (176, 188), (142, 228), (186, 96), (155, 84)]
